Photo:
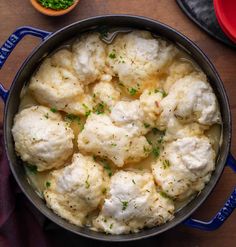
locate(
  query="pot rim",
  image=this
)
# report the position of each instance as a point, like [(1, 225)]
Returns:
[(151, 231)]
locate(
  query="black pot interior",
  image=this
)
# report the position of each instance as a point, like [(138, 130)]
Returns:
[(74, 30)]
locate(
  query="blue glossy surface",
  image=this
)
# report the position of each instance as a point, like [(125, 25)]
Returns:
[(223, 213), (11, 43)]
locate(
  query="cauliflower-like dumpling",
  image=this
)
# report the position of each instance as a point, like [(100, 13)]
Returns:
[(190, 100), (42, 138), (56, 86), (133, 203), (89, 55), (184, 166), (76, 189), (176, 129), (102, 138), (129, 115), (137, 58), (62, 58), (150, 105), (105, 92), (178, 70)]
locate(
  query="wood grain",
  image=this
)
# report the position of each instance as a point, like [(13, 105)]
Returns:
[(19, 13)]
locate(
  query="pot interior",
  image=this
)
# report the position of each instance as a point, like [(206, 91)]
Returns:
[(73, 30)]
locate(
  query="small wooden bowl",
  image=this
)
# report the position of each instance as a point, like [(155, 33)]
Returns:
[(52, 12)]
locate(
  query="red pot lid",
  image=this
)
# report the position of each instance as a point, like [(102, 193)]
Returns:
[(226, 15)]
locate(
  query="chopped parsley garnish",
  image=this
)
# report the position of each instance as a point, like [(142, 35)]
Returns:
[(48, 184), (146, 125), (132, 91), (71, 117), (124, 205), (155, 131), (111, 225), (53, 109), (163, 194), (164, 94), (107, 168), (87, 110), (160, 139), (56, 4), (146, 150), (46, 115), (166, 164), (32, 168), (133, 181), (156, 151), (112, 55), (87, 184), (113, 144), (99, 108)]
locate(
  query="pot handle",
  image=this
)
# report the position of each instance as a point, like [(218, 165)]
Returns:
[(11, 43), (223, 213)]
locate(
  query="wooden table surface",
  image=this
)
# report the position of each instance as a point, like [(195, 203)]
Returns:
[(18, 13)]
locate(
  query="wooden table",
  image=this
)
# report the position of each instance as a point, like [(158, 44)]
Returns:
[(18, 13)]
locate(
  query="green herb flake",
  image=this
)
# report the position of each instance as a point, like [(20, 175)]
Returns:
[(146, 125), (87, 184), (99, 108), (132, 91), (53, 109), (133, 181), (163, 194), (166, 164), (156, 151), (111, 225), (56, 4), (124, 205), (164, 94), (112, 55), (87, 110), (32, 168), (46, 115), (107, 168), (155, 131), (146, 150), (48, 184)]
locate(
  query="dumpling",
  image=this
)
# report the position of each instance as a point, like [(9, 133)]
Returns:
[(190, 99), (132, 204), (129, 115), (150, 105), (178, 70), (105, 92), (102, 138), (137, 59), (77, 189), (184, 167), (89, 55), (54, 85), (42, 138)]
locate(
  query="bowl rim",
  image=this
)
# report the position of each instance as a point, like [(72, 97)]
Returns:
[(145, 233), (52, 12)]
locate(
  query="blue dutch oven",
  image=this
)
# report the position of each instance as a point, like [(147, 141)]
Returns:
[(50, 41)]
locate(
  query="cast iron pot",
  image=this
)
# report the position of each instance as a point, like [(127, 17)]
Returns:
[(50, 41)]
